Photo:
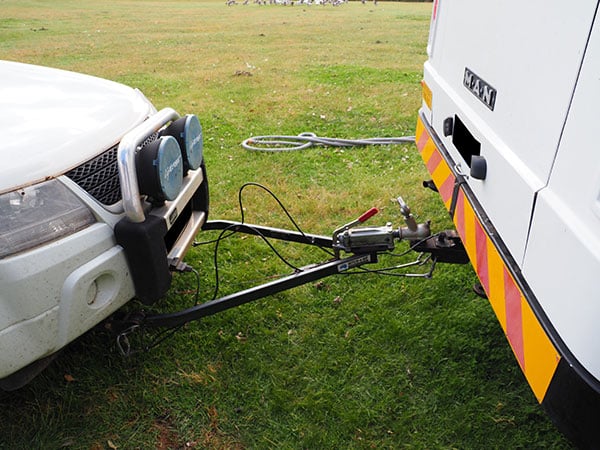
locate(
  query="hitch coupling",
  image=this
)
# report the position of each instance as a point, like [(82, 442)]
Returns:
[(353, 239)]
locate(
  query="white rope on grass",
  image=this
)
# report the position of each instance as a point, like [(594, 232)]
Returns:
[(280, 143)]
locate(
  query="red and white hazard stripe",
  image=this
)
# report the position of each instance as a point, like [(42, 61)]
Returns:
[(508, 295)]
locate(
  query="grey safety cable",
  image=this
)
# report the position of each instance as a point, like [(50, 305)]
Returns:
[(282, 143)]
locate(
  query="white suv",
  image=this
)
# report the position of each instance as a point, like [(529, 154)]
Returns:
[(101, 196)]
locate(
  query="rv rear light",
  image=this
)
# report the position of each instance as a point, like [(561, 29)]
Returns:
[(188, 133), (40, 214), (427, 94), (159, 167), (433, 27), (434, 10)]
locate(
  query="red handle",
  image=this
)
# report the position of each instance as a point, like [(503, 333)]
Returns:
[(366, 216)]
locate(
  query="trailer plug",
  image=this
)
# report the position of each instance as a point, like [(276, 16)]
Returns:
[(177, 265), (429, 184)]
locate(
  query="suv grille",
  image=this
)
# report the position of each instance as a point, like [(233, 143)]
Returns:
[(99, 177)]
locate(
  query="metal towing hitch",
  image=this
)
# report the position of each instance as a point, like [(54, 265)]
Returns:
[(377, 239), (360, 246)]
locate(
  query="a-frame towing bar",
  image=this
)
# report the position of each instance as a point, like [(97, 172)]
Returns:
[(304, 275), (362, 244)]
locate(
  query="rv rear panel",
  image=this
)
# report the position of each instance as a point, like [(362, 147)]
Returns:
[(507, 131)]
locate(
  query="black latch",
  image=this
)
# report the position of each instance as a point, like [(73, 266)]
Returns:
[(448, 126)]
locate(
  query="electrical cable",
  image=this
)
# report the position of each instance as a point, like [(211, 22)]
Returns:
[(385, 270), (281, 205), (242, 217), (197, 294), (167, 333), (234, 228), (123, 343), (282, 143), (223, 235), (414, 245), (259, 234)]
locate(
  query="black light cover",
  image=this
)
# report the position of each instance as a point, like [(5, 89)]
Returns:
[(188, 132), (160, 169)]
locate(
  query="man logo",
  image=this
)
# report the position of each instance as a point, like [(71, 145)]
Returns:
[(482, 90)]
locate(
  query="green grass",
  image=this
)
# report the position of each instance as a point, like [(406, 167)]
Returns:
[(355, 362)]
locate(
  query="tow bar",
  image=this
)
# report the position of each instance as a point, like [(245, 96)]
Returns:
[(363, 244)]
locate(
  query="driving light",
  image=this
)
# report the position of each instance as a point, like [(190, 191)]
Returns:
[(160, 169), (188, 132), (39, 214)]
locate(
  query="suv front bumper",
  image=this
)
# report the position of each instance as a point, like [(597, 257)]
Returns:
[(55, 292)]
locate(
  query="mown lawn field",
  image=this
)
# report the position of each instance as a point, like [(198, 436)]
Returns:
[(361, 361)]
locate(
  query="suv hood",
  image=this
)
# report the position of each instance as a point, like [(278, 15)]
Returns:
[(52, 120)]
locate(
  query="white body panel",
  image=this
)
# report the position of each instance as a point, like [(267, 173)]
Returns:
[(562, 263), (49, 298), (542, 189), (47, 113), (533, 67), (515, 87)]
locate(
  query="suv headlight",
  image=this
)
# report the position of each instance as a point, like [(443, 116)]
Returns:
[(39, 214)]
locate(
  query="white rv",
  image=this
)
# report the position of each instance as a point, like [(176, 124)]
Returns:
[(507, 130)]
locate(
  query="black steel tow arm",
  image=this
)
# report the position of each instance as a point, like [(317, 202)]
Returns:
[(305, 275), (362, 243)]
